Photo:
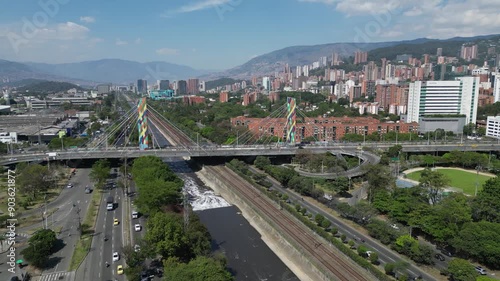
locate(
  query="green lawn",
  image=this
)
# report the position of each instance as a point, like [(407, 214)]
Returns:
[(459, 179)]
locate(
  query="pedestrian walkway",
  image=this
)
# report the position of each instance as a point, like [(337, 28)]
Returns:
[(66, 276)]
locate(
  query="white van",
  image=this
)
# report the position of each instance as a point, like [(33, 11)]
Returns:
[(135, 214)]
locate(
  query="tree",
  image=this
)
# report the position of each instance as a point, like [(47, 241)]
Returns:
[(326, 224), (379, 178), (166, 234), (198, 269), (33, 180), (445, 220), (319, 218), (374, 258), (100, 172), (339, 184), (461, 270), (389, 268), (486, 205), (394, 150), (480, 241), (434, 182), (261, 162), (41, 246)]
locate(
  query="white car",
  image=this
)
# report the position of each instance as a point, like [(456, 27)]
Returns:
[(137, 248), (138, 227), (116, 256)]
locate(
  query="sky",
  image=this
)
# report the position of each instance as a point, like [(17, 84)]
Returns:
[(220, 34)]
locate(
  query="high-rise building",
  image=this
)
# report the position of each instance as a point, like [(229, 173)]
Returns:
[(305, 70), (142, 86), (164, 85), (427, 59), (493, 127), (468, 52), (335, 59), (202, 87), (360, 57), (496, 87), (323, 61), (444, 98), (223, 96), (371, 71), (298, 71), (181, 88), (266, 83), (193, 86), (439, 52)]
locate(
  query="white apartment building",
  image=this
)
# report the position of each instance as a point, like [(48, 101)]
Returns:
[(493, 127), (444, 98), (496, 89)]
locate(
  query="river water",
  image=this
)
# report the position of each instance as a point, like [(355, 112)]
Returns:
[(248, 257)]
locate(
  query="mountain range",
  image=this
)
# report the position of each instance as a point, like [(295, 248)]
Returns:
[(117, 71)]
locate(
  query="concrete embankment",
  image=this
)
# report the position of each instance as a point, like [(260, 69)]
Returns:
[(295, 260)]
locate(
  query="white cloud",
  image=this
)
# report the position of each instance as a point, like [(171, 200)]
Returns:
[(54, 43), (442, 18), (167, 51), (198, 6), (413, 12), (138, 41), (119, 42), (87, 19)]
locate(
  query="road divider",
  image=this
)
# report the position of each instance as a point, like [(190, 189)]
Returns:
[(82, 247)]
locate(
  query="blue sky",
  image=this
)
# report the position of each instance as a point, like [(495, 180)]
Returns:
[(219, 34)]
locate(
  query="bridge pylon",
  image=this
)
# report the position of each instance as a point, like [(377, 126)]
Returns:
[(142, 124), (291, 120)]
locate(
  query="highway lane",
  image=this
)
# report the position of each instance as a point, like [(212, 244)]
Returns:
[(94, 267), (115, 233), (385, 254)]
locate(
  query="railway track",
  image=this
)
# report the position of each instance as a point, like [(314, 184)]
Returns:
[(337, 267), (178, 138)]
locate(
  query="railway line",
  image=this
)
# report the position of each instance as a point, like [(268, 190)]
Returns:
[(336, 267), (176, 137)]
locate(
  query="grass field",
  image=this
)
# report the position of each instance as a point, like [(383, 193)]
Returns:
[(460, 179)]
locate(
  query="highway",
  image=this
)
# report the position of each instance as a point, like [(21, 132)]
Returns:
[(241, 150), (94, 266)]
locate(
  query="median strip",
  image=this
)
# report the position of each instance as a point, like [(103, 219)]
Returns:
[(83, 245)]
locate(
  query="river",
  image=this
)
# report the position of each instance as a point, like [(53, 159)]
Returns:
[(248, 257)]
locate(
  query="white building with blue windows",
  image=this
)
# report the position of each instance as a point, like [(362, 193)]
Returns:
[(434, 98)]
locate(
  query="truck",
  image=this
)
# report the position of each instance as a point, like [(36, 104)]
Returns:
[(52, 154), (110, 203)]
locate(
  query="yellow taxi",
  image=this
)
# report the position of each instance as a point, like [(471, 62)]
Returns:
[(116, 222), (119, 270)]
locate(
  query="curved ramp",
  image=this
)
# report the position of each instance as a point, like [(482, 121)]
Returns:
[(366, 157)]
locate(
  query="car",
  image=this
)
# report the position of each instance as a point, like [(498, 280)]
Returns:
[(137, 227), (137, 248), (88, 190), (480, 270), (116, 256), (70, 185), (15, 278), (439, 257), (369, 253), (12, 159), (119, 270), (135, 214), (116, 222)]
